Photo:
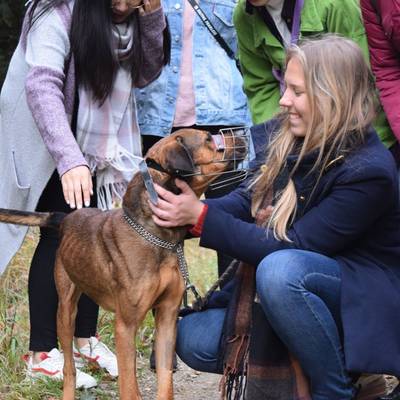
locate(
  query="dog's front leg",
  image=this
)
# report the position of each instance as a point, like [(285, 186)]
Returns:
[(166, 316), (125, 343)]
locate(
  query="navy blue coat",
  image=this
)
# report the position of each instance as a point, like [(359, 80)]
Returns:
[(353, 216)]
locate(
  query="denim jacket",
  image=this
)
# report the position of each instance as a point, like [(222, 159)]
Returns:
[(219, 96)]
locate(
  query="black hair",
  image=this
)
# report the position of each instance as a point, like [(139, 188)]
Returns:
[(91, 44)]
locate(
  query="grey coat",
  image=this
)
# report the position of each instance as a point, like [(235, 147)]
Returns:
[(36, 104)]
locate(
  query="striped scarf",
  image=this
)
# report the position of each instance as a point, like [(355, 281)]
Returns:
[(108, 134)]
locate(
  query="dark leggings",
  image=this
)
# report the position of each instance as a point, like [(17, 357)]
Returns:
[(148, 141), (43, 299)]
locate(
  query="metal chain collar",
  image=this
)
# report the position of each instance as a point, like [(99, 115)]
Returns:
[(174, 247)]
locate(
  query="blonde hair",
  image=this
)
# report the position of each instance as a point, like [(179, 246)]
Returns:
[(340, 89)]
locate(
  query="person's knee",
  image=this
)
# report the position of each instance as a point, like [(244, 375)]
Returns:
[(198, 339), (278, 274), (186, 338)]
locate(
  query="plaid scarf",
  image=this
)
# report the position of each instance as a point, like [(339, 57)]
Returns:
[(108, 134), (255, 363)]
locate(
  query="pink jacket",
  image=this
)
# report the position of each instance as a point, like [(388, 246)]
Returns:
[(383, 32)]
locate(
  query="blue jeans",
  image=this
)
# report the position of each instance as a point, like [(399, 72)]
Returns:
[(300, 294)]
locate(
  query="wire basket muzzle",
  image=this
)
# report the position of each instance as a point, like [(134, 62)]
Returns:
[(235, 143)]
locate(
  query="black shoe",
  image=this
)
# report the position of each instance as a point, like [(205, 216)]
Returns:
[(152, 361), (394, 395)]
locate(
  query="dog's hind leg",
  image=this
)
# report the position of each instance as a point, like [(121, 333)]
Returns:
[(68, 296)]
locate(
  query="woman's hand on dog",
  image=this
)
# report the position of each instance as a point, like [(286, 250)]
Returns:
[(176, 210), (75, 183)]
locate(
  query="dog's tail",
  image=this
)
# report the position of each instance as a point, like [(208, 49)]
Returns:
[(42, 219)]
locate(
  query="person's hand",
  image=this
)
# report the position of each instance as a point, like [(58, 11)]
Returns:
[(75, 182), (176, 210), (149, 6)]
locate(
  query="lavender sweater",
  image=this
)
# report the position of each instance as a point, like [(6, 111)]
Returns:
[(36, 103)]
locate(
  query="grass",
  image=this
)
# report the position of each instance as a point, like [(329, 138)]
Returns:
[(14, 326)]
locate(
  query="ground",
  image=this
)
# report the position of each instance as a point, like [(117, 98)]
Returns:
[(188, 384)]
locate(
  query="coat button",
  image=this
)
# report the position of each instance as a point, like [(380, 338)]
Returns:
[(177, 6), (175, 69), (301, 198)]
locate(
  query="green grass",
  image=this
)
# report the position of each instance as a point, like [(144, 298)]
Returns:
[(14, 326)]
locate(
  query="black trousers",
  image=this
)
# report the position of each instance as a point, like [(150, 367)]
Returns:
[(148, 141), (43, 299)]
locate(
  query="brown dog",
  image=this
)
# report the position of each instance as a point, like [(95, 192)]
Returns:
[(102, 256)]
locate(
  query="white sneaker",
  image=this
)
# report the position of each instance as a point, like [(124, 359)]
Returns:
[(51, 367), (97, 352)]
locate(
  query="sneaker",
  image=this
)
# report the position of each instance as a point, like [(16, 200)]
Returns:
[(393, 395), (98, 353), (51, 367), (370, 387)]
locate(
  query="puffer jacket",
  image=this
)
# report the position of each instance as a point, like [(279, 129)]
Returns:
[(383, 33)]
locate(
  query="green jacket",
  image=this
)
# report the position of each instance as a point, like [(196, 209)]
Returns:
[(260, 51)]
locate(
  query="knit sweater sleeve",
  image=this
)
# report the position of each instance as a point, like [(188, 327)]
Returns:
[(152, 26), (47, 49)]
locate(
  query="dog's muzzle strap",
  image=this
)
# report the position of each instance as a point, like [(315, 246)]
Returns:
[(174, 247), (176, 173)]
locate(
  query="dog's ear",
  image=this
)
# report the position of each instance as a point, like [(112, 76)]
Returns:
[(179, 158)]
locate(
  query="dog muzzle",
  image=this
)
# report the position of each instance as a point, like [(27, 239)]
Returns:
[(234, 143)]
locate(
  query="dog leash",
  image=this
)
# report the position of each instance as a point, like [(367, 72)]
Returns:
[(175, 248)]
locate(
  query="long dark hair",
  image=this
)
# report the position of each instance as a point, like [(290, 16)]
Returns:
[(91, 43)]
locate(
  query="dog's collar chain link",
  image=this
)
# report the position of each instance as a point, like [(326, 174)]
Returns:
[(174, 247)]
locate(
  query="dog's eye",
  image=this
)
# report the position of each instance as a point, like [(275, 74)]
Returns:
[(179, 139), (209, 137)]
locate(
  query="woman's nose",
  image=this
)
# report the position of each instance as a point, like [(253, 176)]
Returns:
[(285, 100), (121, 6)]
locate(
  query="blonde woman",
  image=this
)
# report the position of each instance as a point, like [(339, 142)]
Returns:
[(328, 274)]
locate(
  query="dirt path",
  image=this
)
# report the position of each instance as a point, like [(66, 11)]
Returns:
[(188, 384)]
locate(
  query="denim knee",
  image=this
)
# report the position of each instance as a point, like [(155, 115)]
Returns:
[(198, 339), (278, 274)]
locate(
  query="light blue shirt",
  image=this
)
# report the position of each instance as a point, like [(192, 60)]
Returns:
[(219, 96)]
